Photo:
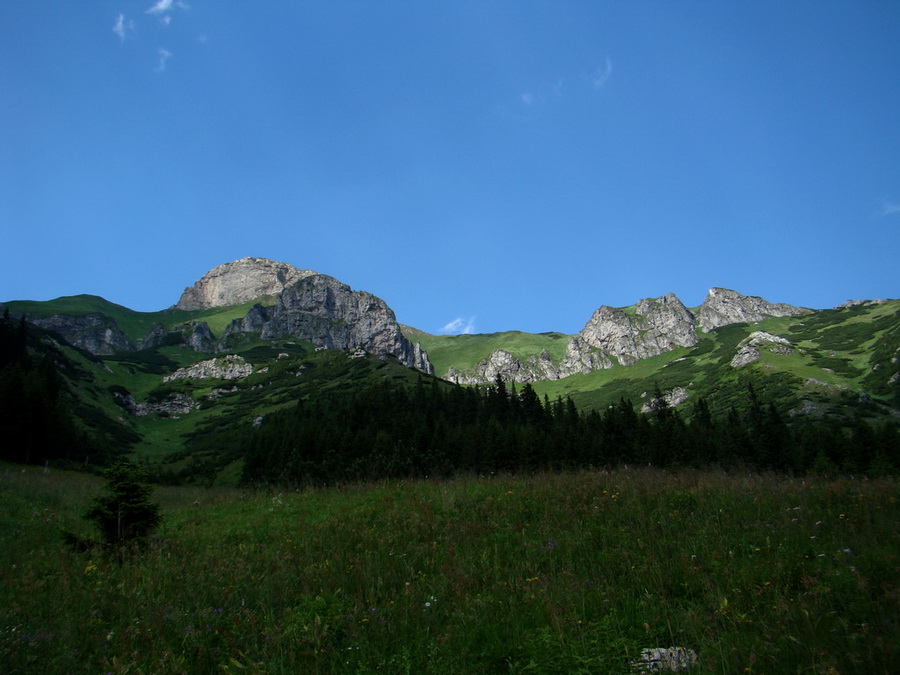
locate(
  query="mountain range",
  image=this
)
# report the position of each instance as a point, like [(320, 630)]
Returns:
[(254, 334)]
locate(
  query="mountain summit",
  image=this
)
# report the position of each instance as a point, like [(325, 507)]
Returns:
[(238, 282)]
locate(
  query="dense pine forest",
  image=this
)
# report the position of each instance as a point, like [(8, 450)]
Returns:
[(36, 422), (389, 431)]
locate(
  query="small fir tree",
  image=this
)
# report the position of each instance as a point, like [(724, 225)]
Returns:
[(124, 513)]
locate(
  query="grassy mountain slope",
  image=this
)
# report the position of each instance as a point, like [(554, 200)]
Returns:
[(134, 324), (837, 355), (465, 351)]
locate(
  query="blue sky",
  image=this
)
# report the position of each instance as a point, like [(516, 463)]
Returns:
[(481, 166)]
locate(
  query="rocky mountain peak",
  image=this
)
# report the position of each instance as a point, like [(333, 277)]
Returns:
[(655, 326), (723, 307), (330, 314), (238, 282)]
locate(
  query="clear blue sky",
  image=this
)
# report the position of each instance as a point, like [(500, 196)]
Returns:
[(512, 165)]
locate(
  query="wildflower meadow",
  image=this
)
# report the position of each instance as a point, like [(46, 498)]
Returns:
[(577, 572)]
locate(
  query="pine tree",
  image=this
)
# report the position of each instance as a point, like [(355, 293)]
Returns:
[(124, 513)]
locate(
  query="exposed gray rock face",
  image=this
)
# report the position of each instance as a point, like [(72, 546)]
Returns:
[(231, 367), (723, 307), (581, 357), (862, 303), (95, 333), (655, 326), (201, 338), (748, 349), (671, 398), (746, 355), (252, 323), (173, 406), (155, 337), (509, 368), (241, 281), (195, 335), (328, 313), (658, 325)]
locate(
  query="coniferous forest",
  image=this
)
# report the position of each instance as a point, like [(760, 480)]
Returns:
[(389, 431), (37, 425)]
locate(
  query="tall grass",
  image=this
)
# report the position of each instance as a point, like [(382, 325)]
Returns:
[(554, 573)]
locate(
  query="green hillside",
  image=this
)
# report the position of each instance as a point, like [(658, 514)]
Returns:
[(465, 351), (134, 324), (841, 370), (838, 355)]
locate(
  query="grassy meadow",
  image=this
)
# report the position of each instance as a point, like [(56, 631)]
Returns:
[(553, 573)]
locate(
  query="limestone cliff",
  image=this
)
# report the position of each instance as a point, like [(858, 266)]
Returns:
[(657, 325), (195, 335), (627, 335), (328, 313), (95, 333), (723, 307), (238, 282)]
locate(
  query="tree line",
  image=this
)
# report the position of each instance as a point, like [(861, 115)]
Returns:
[(383, 430), (37, 419)]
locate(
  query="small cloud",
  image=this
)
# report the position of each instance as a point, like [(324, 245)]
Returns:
[(166, 20), (164, 56), (460, 326), (889, 208), (123, 28), (559, 88), (527, 99), (602, 74), (163, 6)]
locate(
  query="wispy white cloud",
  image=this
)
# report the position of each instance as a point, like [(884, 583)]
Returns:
[(602, 74), (559, 87), (164, 56), (460, 326), (123, 28), (166, 20), (527, 98), (163, 6), (889, 208)]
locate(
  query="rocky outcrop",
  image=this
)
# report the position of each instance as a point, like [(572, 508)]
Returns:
[(627, 335), (657, 325), (95, 333), (849, 304), (748, 349), (250, 325), (503, 364), (723, 307), (174, 405), (582, 357), (231, 367), (238, 282), (201, 338), (329, 314), (155, 337), (669, 399), (195, 335)]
